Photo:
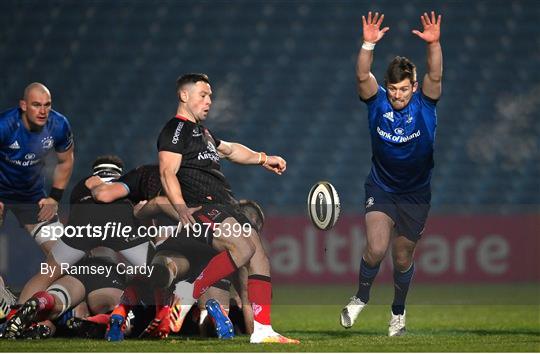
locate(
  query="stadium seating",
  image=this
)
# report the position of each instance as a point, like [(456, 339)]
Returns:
[(283, 81)]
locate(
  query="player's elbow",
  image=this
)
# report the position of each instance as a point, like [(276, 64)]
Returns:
[(226, 150), (166, 172), (362, 77), (67, 158), (436, 78), (165, 175), (100, 195)]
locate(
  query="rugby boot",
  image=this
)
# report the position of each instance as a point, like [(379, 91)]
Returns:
[(86, 329), (224, 326), (37, 331), (160, 326), (116, 328), (350, 313), (7, 300), (178, 314), (22, 319), (396, 327), (266, 334)]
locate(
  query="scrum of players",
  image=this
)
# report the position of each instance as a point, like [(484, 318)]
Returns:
[(205, 272)]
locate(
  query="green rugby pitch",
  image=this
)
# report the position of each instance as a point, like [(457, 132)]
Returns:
[(445, 318)]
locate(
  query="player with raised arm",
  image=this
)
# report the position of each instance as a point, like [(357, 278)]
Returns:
[(28, 133), (402, 121), (189, 161)]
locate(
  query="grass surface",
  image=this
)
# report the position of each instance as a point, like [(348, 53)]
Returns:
[(436, 322)]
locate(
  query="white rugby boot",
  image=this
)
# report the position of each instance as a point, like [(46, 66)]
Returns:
[(396, 327), (266, 334), (351, 312), (7, 299)]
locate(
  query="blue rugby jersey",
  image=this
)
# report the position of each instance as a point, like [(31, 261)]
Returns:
[(22, 153), (402, 142)]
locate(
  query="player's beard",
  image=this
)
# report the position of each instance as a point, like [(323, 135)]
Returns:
[(399, 104)]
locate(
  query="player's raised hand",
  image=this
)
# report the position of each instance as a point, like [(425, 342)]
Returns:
[(1, 213), (276, 164), (371, 27), (48, 207), (432, 27)]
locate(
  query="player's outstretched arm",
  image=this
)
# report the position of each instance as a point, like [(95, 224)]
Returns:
[(372, 33), (1, 214), (432, 84), (169, 165), (62, 173), (243, 155), (106, 192)]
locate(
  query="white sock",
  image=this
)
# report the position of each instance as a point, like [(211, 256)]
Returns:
[(259, 327)]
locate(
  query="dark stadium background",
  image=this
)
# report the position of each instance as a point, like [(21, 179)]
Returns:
[(282, 73)]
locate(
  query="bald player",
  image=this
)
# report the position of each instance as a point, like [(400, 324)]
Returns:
[(27, 134)]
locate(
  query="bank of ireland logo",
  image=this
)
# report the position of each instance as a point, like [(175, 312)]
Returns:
[(369, 202), (47, 142), (30, 156), (399, 131)]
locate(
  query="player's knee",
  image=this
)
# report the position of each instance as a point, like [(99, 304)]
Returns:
[(243, 249), (374, 255), (402, 261), (103, 300), (62, 298), (249, 247), (46, 232)]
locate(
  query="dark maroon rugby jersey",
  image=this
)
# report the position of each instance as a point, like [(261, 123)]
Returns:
[(85, 210), (143, 183), (200, 173)]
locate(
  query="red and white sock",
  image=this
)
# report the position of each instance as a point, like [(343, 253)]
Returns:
[(46, 300), (162, 299), (46, 303), (129, 299), (219, 267), (260, 296)]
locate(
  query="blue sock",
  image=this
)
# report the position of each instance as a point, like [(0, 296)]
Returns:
[(402, 280), (365, 279)]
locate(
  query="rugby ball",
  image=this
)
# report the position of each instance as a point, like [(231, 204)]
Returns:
[(323, 205)]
